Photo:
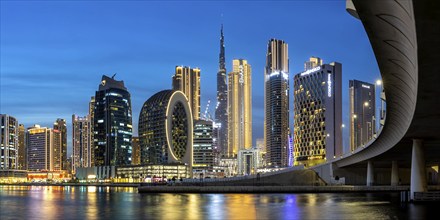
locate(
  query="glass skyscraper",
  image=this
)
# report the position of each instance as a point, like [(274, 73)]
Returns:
[(8, 142), (276, 104), (112, 124), (221, 110), (362, 113)]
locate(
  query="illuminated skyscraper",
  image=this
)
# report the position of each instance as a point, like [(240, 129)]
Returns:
[(60, 125), (203, 150), (22, 152), (187, 80), (239, 107), (92, 131), (81, 141), (318, 114), (112, 124), (362, 113), (8, 142), (312, 63), (221, 110), (166, 129), (43, 148), (276, 103)]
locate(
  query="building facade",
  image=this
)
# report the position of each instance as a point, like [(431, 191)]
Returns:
[(81, 141), (249, 160), (92, 130), (312, 63), (187, 80), (276, 103), (239, 107), (60, 125), (166, 129), (22, 151), (221, 109), (8, 142), (136, 151), (203, 149), (362, 113), (318, 114), (39, 147), (112, 124)]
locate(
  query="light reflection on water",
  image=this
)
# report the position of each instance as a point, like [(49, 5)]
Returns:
[(58, 202)]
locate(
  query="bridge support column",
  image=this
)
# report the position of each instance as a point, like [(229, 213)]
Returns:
[(418, 171), (370, 173), (394, 173)]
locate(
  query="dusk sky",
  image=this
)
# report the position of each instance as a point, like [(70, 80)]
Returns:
[(53, 54)]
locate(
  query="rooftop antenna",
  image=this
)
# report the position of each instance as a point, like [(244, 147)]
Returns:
[(113, 77)]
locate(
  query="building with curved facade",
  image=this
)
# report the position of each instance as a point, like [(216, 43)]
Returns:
[(166, 129)]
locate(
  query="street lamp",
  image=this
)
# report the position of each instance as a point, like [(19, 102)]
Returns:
[(379, 85), (366, 104)]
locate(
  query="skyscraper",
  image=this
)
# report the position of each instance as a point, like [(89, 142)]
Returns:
[(221, 110), (362, 113), (318, 114), (239, 107), (81, 141), (92, 130), (39, 146), (166, 129), (112, 124), (276, 103), (22, 152), (56, 150), (187, 80), (8, 142), (203, 151), (60, 125)]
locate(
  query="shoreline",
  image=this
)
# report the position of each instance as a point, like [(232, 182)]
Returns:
[(73, 184)]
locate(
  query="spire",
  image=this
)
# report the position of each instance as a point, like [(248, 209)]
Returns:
[(222, 50)]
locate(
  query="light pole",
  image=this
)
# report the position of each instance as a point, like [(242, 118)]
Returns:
[(366, 104), (377, 124), (353, 131)]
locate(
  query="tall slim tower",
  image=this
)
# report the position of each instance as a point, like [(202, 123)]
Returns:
[(8, 142), (187, 80), (221, 111), (81, 141), (112, 124), (239, 107), (276, 103), (60, 125), (22, 152), (92, 131), (362, 113)]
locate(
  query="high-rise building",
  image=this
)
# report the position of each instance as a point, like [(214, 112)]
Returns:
[(112, 124), (239, 107), (318, 114), (39, 142), (56, 153), (8, 142), (22, 152), (81, 141), (203, 150), (60, 125), (92, 131), (312, 63), (136, 152), (221, 109), (166, 129), (187, 80), (362, 113), (276, 103)]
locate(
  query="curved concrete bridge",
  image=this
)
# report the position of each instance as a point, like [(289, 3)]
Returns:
[(405, 37)]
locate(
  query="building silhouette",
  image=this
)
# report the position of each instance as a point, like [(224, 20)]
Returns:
[(221, 109)]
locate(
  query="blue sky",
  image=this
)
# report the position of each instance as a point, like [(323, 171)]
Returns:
[(53, 54)]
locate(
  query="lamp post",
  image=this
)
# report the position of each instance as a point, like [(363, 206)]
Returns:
[(379, 85), (366, 104)]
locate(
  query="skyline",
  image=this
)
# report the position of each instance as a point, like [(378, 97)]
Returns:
[(76, 57)]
